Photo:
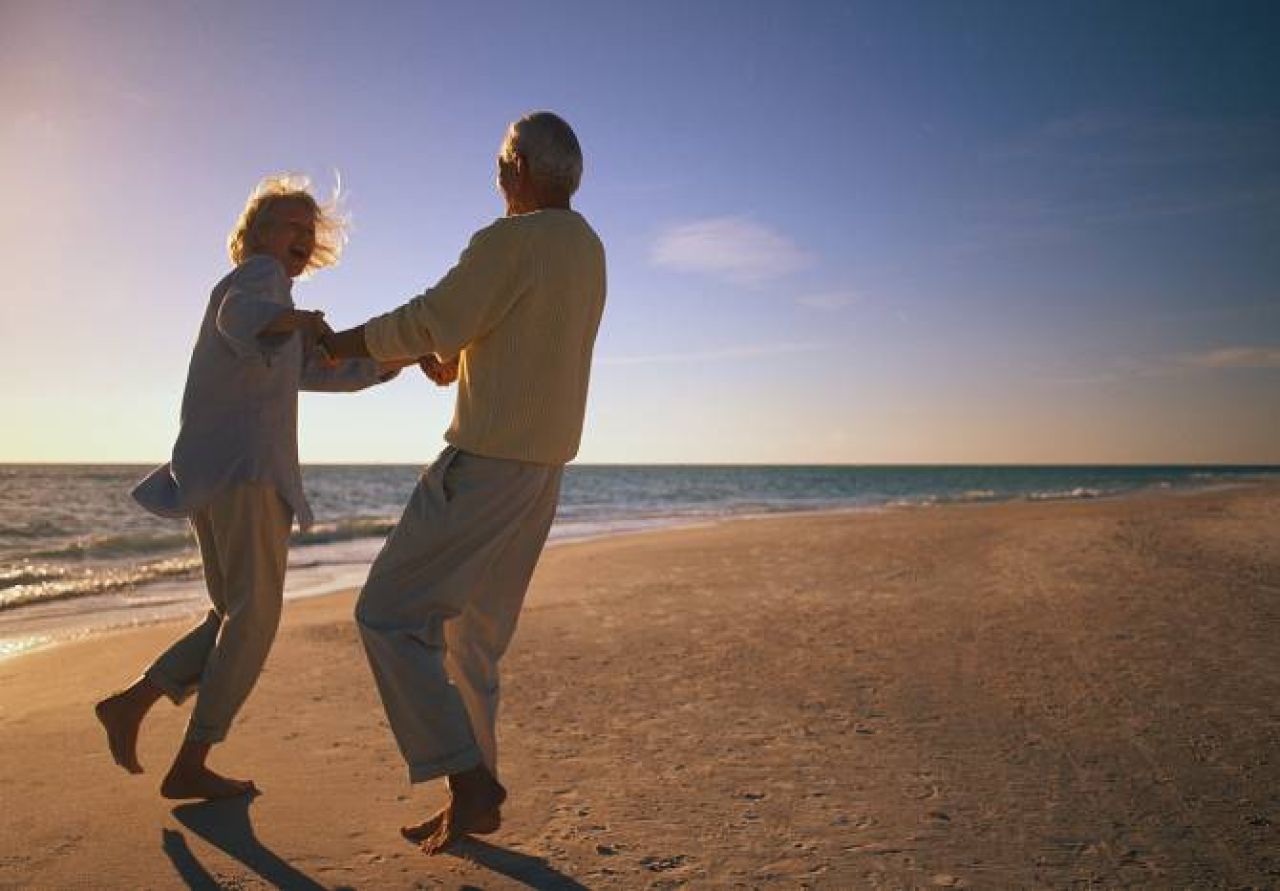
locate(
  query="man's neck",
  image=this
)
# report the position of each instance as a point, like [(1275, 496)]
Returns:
[(516, 209), (534, 199)]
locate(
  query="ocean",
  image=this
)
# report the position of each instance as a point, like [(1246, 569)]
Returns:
[(77, 555)]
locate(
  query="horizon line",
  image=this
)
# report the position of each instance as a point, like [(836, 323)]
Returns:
[(1267, 465)]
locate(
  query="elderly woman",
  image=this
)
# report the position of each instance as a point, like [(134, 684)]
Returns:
[(234, 475)]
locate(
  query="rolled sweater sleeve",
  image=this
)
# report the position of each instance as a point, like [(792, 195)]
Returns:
[(492, 274), (258, 293)]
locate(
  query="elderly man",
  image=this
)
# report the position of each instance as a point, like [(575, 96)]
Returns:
[(515, 320)]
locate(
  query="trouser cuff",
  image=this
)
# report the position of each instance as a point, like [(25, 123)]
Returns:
[(431, 770), (177, 693)]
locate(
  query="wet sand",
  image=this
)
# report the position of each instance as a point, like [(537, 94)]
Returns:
[(1025, 695)]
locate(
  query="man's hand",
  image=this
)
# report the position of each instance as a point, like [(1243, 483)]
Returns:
[(314, 329), (320, 353), (442, 373), (347, 344)]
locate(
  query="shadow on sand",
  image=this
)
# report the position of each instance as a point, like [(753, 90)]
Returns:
[(535, 872), (225, 824)]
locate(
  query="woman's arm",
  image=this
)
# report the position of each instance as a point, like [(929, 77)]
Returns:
[(309, 321)]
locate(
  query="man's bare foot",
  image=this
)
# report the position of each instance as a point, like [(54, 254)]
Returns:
[(121, 716), (420, 832), (475, 808), (201, 782)]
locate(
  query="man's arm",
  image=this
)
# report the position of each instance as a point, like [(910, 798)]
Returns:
[(491, 275), (347, 344), (350, 344)]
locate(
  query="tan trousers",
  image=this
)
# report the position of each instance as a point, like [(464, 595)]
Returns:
[(442, 599), (244, 546)]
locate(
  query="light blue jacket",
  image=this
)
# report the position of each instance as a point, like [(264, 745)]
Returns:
[(240, 407)]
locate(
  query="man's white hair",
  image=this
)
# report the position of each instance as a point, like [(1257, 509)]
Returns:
[(549, 147)]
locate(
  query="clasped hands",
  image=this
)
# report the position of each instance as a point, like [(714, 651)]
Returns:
[(314, 329)]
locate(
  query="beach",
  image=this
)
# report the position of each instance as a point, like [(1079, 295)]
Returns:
[(1028, 694)]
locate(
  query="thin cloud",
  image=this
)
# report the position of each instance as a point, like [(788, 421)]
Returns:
[(1119, 371), (734, 249), (750, 351), (831, 300), (1089, 380), (1176, 366), (1236, 357)]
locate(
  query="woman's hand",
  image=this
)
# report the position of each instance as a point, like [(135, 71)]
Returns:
[(441, 373)]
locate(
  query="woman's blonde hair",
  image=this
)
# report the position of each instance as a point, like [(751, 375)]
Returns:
[(331, 220)]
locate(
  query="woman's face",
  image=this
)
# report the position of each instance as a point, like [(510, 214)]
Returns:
[(289, 235)]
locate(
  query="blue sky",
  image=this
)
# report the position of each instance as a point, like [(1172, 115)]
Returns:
[(907, 232)]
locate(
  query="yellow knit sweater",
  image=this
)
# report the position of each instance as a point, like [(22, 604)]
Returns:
[(521, 308)]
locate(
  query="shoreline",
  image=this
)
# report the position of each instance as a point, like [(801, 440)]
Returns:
[(57, 622)]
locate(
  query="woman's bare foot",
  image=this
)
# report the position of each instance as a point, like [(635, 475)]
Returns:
[(191, 778), (203, 783), (121, 715), (475, 808)]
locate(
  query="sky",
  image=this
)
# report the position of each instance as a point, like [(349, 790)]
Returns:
[(936, 232)]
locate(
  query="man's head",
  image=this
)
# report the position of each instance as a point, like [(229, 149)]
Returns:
[(539, 164), (283, 220)]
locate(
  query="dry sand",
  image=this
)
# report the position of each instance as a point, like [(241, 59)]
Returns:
[(1025, 695)]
